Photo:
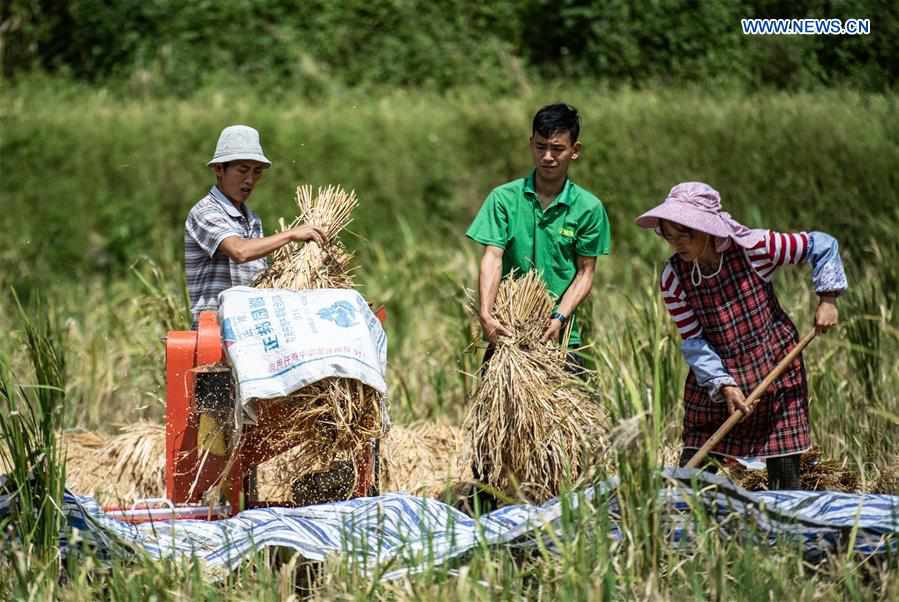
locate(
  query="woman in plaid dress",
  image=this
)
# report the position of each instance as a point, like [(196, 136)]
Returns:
[(717, 288)]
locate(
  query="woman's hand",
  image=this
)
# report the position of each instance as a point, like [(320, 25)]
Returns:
[(826, 316), (736, 401)]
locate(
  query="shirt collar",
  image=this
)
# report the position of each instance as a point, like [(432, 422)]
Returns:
[(564, 196), (226, 203)]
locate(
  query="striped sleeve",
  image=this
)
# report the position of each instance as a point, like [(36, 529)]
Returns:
[(777, 249), (676, 304)]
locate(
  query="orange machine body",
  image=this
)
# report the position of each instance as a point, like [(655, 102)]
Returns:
[(189, 470)]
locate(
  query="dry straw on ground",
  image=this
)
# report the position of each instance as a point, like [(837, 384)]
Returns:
[(887, 480), (818, 473), (117, 469), (532, 424), (424, 458)]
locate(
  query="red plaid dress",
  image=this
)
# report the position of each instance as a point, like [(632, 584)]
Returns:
[(744, 323)]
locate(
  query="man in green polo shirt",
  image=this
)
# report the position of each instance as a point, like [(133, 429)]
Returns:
[(545, 222)]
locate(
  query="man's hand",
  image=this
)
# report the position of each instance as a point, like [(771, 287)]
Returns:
[(826, 316), (735, 400), (306, 233), (242, 250), (492, 328), (552, 330)]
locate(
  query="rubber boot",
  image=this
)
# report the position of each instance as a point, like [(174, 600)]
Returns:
[(783, 473)]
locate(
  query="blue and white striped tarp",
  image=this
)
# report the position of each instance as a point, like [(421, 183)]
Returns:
[(395, 534)]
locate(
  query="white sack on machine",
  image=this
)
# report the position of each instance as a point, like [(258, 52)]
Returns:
[(279, 341)]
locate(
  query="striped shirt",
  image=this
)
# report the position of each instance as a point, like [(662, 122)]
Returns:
[(209, 271), (775, 250)]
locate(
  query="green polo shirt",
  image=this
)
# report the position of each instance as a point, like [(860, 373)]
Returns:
[(549, 240)]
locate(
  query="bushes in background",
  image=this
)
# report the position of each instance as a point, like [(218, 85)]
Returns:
[(169, 46)]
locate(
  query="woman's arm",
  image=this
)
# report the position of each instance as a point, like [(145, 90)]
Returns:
[(703, 360), (819, 249)]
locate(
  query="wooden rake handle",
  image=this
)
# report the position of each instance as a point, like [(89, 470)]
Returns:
[(753, 398)]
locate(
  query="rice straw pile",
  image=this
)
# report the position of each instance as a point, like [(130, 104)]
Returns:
[(118, 469), (816, 473), (335, 417), (888, 477), (424, 458), (532, 425)]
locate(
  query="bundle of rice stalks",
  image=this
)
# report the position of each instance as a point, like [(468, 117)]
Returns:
[(298, 266), (532, 424), (816, 474), (335, 417), (341, 413)]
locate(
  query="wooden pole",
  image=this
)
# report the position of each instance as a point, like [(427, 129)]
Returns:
[(751, 401)]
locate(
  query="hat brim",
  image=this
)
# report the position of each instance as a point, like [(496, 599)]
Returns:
[(693, 219), (240, 157)]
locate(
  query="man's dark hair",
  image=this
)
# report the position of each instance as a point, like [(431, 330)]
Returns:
[(555, 119)]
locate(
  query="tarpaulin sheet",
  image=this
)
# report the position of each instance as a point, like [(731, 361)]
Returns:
[(396, 534)]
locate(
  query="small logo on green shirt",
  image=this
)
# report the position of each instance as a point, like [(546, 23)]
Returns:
[(566, 232)]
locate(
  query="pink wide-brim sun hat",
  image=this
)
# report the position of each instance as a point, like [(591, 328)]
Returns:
[(697, 205)]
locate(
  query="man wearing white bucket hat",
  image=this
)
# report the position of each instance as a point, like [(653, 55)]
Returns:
[(223, 241)]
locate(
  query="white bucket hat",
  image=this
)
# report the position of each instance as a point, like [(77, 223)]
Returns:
[(238, 142)]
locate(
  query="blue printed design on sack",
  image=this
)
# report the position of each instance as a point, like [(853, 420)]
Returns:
[(341, 313), (228, 334)]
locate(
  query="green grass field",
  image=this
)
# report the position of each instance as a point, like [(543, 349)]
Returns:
[(97, 188)]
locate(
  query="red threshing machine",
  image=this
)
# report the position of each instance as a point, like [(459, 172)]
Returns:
[(199, 401)]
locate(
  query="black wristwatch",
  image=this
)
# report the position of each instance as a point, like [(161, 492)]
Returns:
[(559, 316)]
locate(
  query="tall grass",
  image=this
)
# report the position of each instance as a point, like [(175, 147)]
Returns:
[(31, 450)]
